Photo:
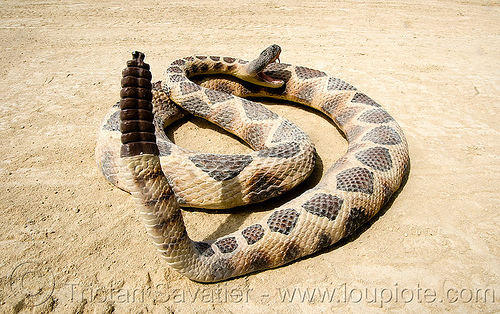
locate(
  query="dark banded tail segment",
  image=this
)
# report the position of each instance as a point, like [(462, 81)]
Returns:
[(138, 131)]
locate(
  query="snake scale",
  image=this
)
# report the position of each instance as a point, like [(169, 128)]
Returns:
[(162, 176)]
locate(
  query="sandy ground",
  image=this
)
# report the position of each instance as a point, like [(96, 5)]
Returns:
[(75, 244)]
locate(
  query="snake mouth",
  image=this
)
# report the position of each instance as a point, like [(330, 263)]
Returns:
[(267, 78), (270, 80)]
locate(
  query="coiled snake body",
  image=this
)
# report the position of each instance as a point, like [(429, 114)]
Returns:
[(162, 176)]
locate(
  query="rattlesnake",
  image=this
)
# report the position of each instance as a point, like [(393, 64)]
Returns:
[(351, 192)]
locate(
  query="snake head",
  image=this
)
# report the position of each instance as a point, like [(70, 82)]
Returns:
[(255, 69)]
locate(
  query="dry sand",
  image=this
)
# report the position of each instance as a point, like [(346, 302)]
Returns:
[(72, 240)]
